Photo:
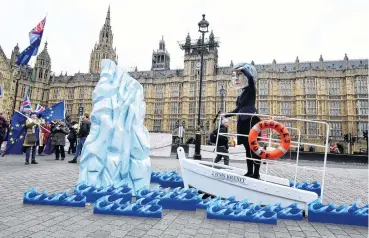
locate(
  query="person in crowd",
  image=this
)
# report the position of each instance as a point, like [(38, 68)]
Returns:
[(244, 77), (82, 134), (58, 132), (31, 139), (4, 128), (72, 138), (222, 142)]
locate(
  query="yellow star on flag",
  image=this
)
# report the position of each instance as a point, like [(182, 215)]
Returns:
[(17, 125)]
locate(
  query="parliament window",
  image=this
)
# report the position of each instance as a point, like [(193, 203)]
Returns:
[(361, 85), (70, 93), (311, 128), (158, 109), (362, 126), (192, 90), (175, 90), (69, 108), (310, 86), (82, 92), (286, 108), (263, 87), (159, 91), (336, 129), (286, 88), (192, 107), (174, 108), (157, 125), (221, 84), (263, 107), (56, 93), (334, 87), (362, 107), (310, 107), (334, 108)]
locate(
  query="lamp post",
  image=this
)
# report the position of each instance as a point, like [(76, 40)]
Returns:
[(203, 28)]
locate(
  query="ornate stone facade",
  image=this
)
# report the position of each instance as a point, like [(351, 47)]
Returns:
[(332, 91), (104, 48)]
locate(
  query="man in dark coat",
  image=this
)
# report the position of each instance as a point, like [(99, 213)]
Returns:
[(58, 132), (222, 142), (84, 131), (244, 77)]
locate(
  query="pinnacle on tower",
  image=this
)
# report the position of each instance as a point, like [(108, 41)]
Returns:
[(107, 19)]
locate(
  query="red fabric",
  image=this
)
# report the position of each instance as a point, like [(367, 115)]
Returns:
[(45, 132)]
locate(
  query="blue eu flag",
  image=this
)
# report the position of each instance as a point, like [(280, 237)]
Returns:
[(24, 57), (55, 112), (16, 134)]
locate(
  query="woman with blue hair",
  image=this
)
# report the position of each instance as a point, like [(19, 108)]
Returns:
[(244, 77)]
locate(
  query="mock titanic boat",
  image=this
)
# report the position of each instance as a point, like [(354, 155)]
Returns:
[(226, 181)]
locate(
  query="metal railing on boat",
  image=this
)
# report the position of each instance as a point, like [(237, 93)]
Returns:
[(298, 143)]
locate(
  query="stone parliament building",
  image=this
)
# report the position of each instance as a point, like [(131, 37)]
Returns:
[(332, 91)]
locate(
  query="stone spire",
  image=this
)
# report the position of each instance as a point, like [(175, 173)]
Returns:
[(107, 19), (104, 48), (15, 53), (346, 58)]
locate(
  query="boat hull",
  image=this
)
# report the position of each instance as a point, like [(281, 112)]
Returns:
[(227, 182)]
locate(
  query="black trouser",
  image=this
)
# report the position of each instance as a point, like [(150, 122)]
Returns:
[(253, 166), (40, 149), (72, 146), (222, 149), (59, 149)]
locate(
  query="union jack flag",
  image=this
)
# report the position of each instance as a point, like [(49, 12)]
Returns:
[(26, 105), (39, 108), (37, 31)]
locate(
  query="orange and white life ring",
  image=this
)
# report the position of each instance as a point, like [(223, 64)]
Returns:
[(260, 151)]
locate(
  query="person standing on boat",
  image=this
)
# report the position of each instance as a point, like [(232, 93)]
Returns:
[(244, 77), (222, 142)]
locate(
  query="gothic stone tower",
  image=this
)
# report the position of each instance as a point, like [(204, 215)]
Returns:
[(161, 58), (103, 49)]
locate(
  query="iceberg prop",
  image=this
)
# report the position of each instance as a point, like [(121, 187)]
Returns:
[(347, 215), (117, 149), (312, 187), (241, 211), (291, 212), (55, 199), (112, 205), (92, 193)]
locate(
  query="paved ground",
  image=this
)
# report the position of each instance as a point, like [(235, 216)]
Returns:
[(344, 183)]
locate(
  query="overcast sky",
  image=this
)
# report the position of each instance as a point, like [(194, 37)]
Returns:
[(259, 30)]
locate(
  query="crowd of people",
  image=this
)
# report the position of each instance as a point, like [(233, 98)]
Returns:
[(40, 134)]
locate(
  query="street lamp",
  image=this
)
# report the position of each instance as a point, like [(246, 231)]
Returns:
[(203, 28), (222, 92)]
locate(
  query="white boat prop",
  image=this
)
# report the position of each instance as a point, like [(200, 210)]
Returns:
[(226, 181)]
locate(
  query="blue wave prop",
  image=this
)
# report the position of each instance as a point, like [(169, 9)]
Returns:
[(241, 211), (92, 193), (167, 179), (55, 199), (143, 207), (177, 199), (181, 199), (347, 215), (203, 204), (291, 212), (312, 187)]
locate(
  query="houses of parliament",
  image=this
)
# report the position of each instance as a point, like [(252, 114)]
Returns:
[(332, 91)]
